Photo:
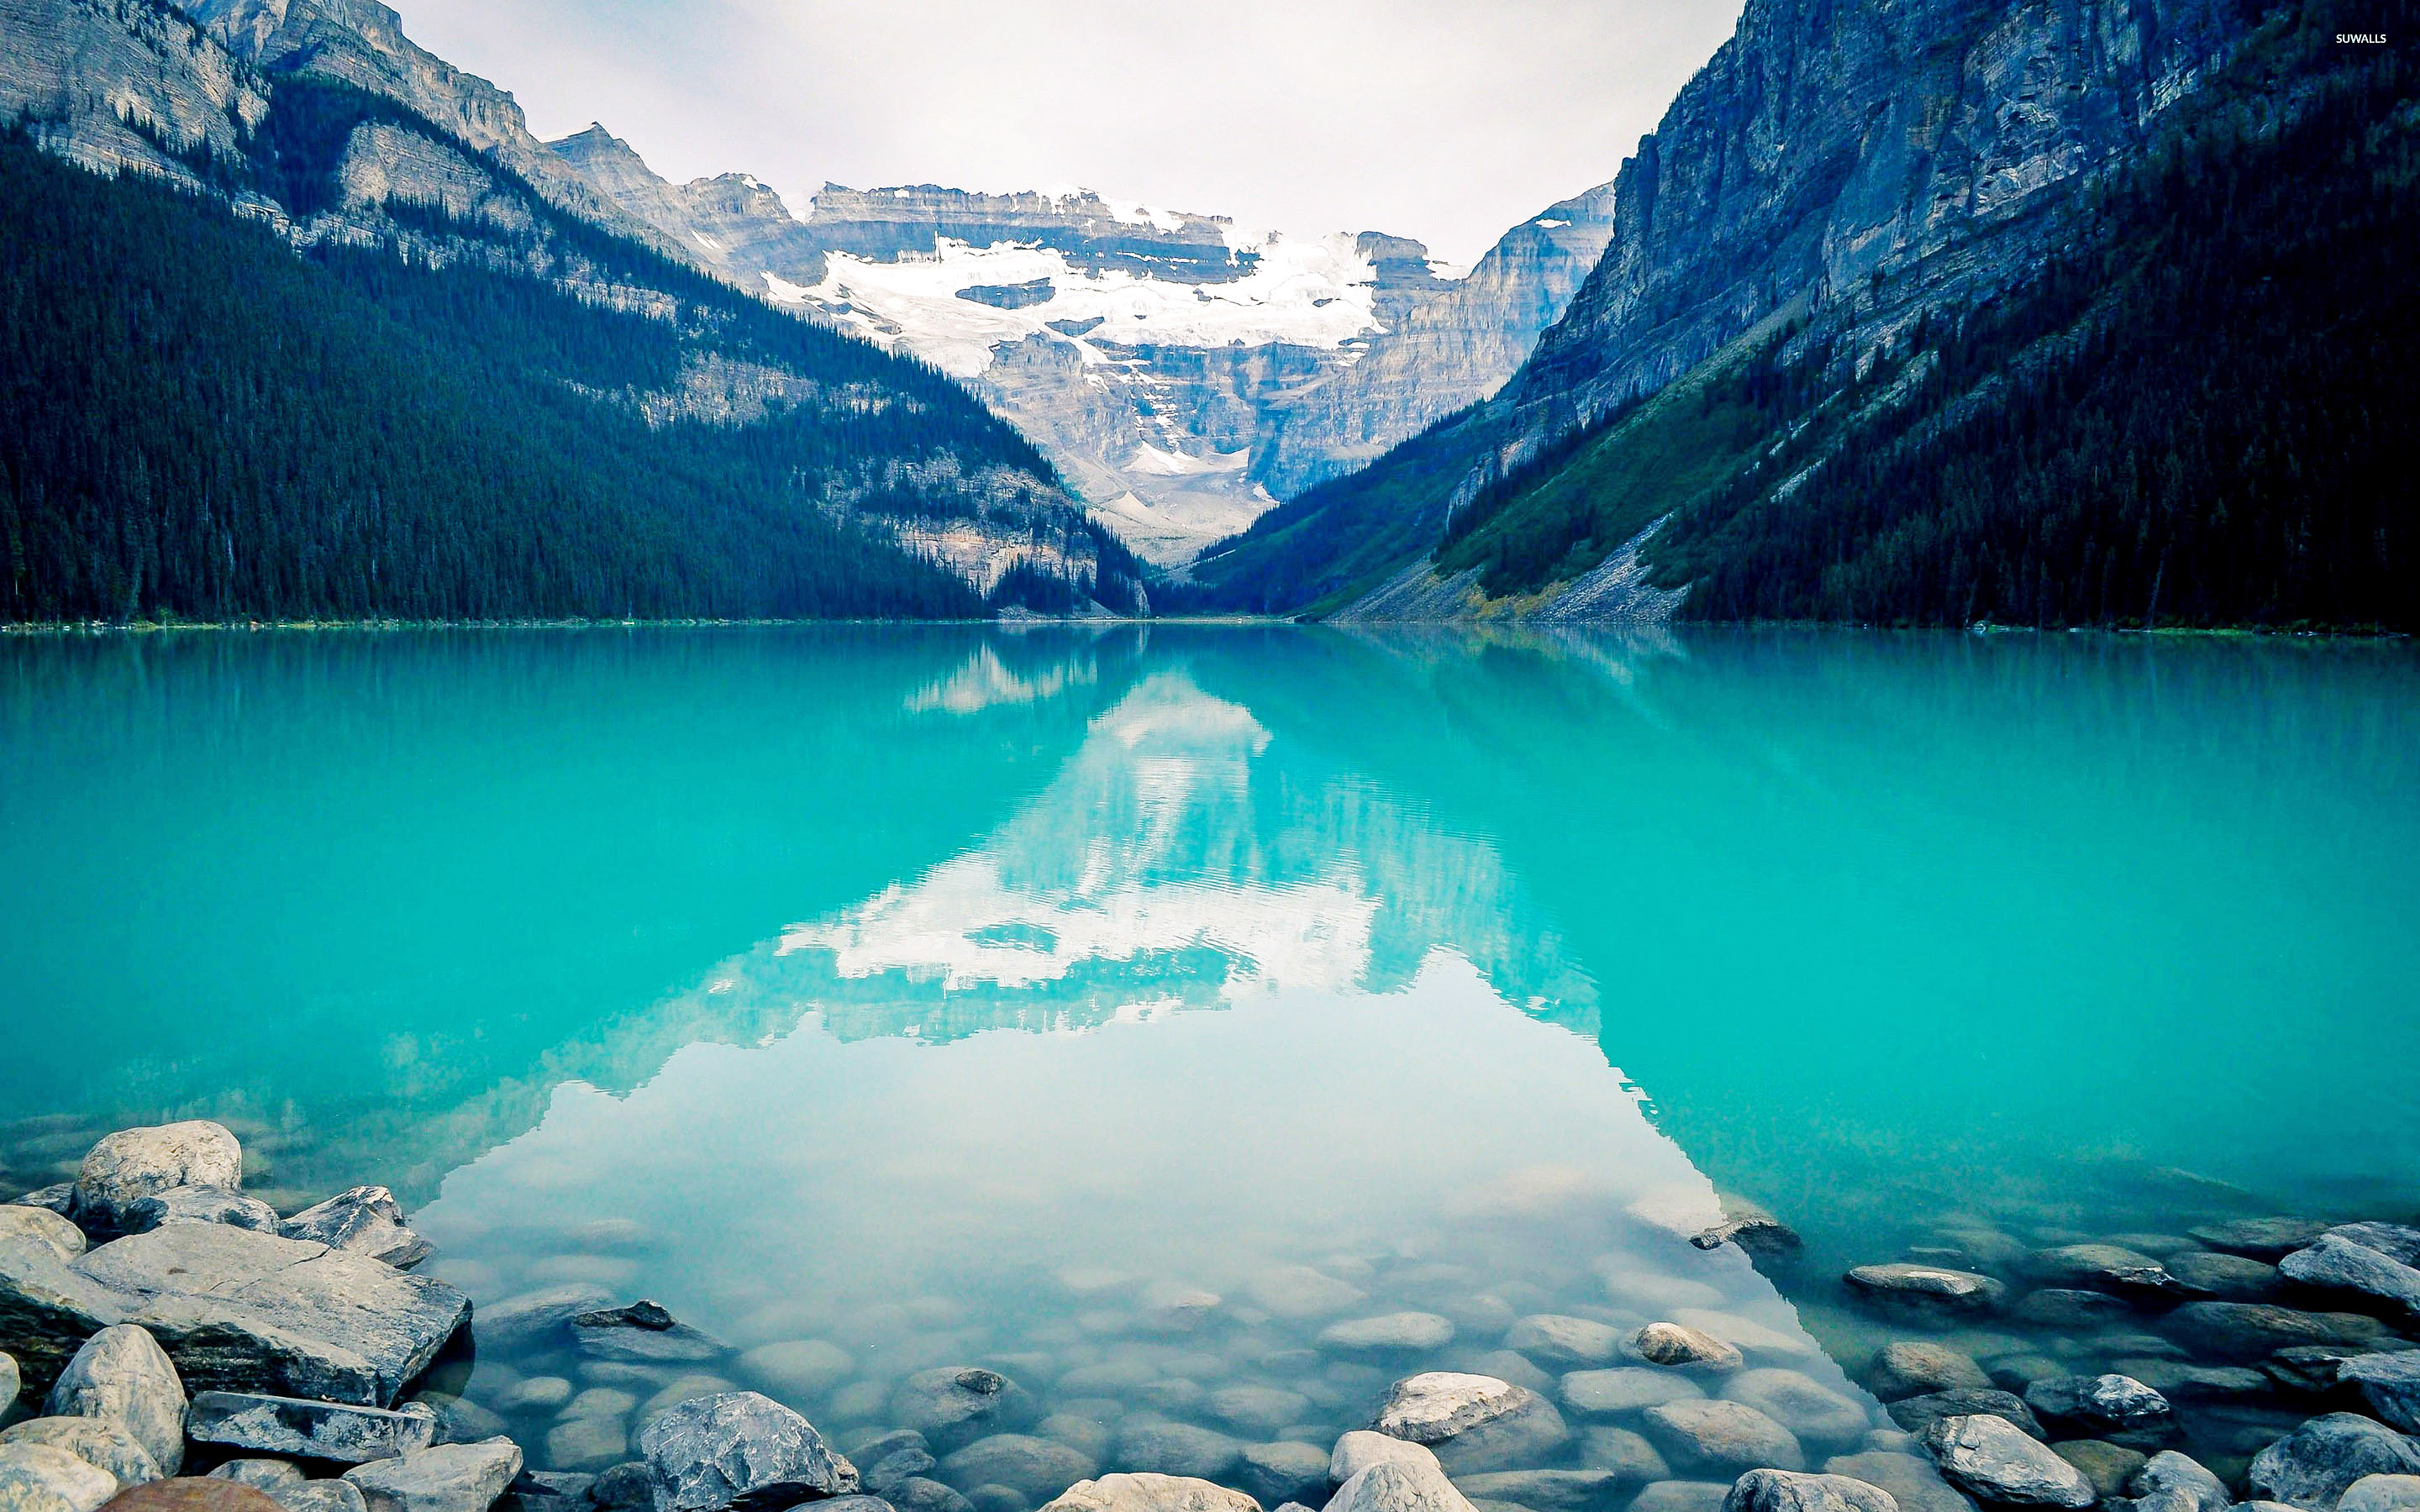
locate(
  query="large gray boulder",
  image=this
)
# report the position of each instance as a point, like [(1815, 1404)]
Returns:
[(342, 1432), (2171, 1481), (1782, 1490), (1398, 1486), (1035, 1468), (2338, 1264), (1146, 1492), (2311, 1467), (1722, 1438), (122, 1376), (133, 1164), (2397, 1242), (47, 1307), (2382, 1493), (97, 1441), (1928, 1288), (955, 1404), (42, 1477), (199, 1204), (451, 1477), (2391, 1383), (738, 1449), (42, 1227), (366, 1221), (241, 1311), (2118, 1408), (1994, 1460), (1472, 1422)]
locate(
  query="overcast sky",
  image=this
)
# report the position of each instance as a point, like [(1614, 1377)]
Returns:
[(1447, 120)]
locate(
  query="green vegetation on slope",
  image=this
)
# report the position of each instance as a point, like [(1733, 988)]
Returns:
[(197, 424)]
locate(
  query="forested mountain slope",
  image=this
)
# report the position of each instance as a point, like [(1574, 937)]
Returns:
[(2152, 362), (318, 353)]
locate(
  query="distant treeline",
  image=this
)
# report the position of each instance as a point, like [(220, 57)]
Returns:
[(197, 424)]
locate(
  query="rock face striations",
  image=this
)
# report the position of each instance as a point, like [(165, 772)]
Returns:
[(1183, 372)]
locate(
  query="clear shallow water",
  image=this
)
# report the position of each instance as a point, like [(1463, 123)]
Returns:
[(954, 996)]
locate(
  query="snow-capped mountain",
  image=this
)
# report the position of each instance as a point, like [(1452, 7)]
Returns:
[(1183, 372)]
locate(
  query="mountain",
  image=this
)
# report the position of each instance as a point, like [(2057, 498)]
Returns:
[(1183, 372), (367, 348), (1957, 311)]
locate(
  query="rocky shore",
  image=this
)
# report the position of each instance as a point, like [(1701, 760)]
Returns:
[(176, 1345)]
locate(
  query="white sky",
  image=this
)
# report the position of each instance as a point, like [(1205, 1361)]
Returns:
[(1441, 120)]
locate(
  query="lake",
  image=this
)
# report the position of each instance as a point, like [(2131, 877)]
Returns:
[(1204, 1026)]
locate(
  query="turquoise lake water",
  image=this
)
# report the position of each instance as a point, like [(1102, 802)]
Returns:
[(944, 994)]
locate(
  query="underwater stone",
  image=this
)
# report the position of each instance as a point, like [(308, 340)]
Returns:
[(1993, 1460), (2312, 1466), (1927, 1287), (1782, 1490)]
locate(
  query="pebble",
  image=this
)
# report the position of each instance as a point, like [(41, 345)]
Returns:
[(1913, 1368), (1722, 1436), (1995, 1462), (1628, 1389)]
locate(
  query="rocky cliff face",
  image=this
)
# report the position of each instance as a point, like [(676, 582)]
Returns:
[(1870, 160), (1181, 371)]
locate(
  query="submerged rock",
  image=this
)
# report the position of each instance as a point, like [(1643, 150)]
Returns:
[(1813, 1412), (643, 1333), (1629, 1389), (1543, 1490), (1682, 1496), (1913, 1368), (1917, 1415), (955, 1404), (2248, 1330), (1782, 1490), (1300, 1292), (1172, 1448), (122, 1376), (1993, 1460), (199, 1204), (2262, 1239), (365, 1221), (2311, 1467), (1283, 1472), (2382, 1493), (1722, 1436), (1679, 1347), (2117, 1408), (318, 1430), (1753, 1229), (2106, 1465), (1913, 1480), (2391, 1383), (1147, 1493), (2226, 1278), (806, 1367), (451, 1477), (2071, 1309), (739, 1450), (1390, 1333), (2338, 1264), (1927, 1287), (1036, 1468), (1561, 1342), (2397, 1242), (2105, 1268), (133, 1164), (1627, 1453), (532, 1321)]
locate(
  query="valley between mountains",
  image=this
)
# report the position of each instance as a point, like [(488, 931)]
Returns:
[(1950, 312)]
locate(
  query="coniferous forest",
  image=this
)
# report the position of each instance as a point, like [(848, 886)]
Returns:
[(196, 423)]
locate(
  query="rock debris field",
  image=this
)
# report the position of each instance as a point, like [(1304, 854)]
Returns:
[(174, 1345)]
